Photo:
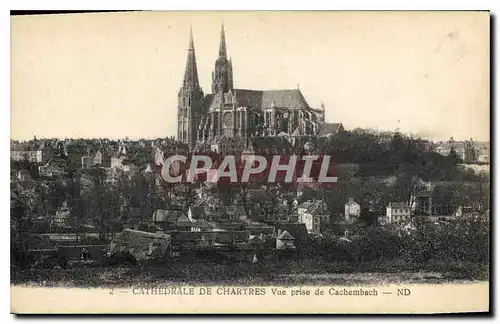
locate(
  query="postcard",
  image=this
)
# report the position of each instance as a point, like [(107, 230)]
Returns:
[(247, 162)]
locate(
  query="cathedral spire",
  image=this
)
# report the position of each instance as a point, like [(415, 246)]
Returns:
[(190, 99), (222, 46), (222, 78), (191, 71), (230, 74), (191, 42)]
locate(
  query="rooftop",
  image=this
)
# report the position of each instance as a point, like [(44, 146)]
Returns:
[(258, 99)]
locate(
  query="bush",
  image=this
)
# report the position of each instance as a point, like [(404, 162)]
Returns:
[(377, 243), (462, 240)]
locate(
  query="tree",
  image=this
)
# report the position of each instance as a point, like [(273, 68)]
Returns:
[(97, 178), (368, 217), (226, 191), (166, 193), (334, 200), (75, 202), (23, 211), (124, 192), (243, 195), (453, 156)]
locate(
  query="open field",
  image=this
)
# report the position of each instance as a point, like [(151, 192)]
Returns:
[(287, 274)]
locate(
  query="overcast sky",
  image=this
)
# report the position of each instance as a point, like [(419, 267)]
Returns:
[(118, 74)]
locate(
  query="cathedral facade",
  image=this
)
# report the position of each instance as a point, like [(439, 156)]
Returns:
[(229, 112)]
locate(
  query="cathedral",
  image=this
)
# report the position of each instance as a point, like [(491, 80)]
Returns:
[(239, 113)]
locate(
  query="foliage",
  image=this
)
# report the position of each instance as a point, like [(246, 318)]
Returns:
[(465, 239), (462, 240), (383, 155), (393, 168)]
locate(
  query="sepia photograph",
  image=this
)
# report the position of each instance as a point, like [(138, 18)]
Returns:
[(274, 162)]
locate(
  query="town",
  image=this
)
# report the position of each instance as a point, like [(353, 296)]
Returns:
[(87, 198), (94, 203)]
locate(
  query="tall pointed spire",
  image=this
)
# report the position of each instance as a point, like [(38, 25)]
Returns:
[(222, 78), (191, 42), (190, 99), (222, 46), (191, 71)]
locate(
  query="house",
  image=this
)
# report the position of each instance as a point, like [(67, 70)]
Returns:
[(50, 170), (67, 238), (184, 223), (167, 219), (465, 150), (235, 213), (315, 216), (92, 159), (301, 208), (259, 229), (224, 225), (141, 245), (32, 152), (284, 240), (117, 160), (62, 217), (232, 237), (129, 167), (87, 161), (216, 213), (483, 158), (203, 226), (330, 129), (256, 241), (98, 158), (398, 212), (483, 152), (118, 157), (297, 230), (149, 227), (210, 212), (179, 221), (352, 211), (181, 239), (159, 157), (197, 213), (23, 175)]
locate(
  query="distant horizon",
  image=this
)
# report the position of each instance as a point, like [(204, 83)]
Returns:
[(130, 138), (424, 73)]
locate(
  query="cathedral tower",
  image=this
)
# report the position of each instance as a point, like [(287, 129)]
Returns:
[(190, 105), (222, 77)]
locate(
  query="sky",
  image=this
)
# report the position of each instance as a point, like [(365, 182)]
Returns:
[(117, 75)]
